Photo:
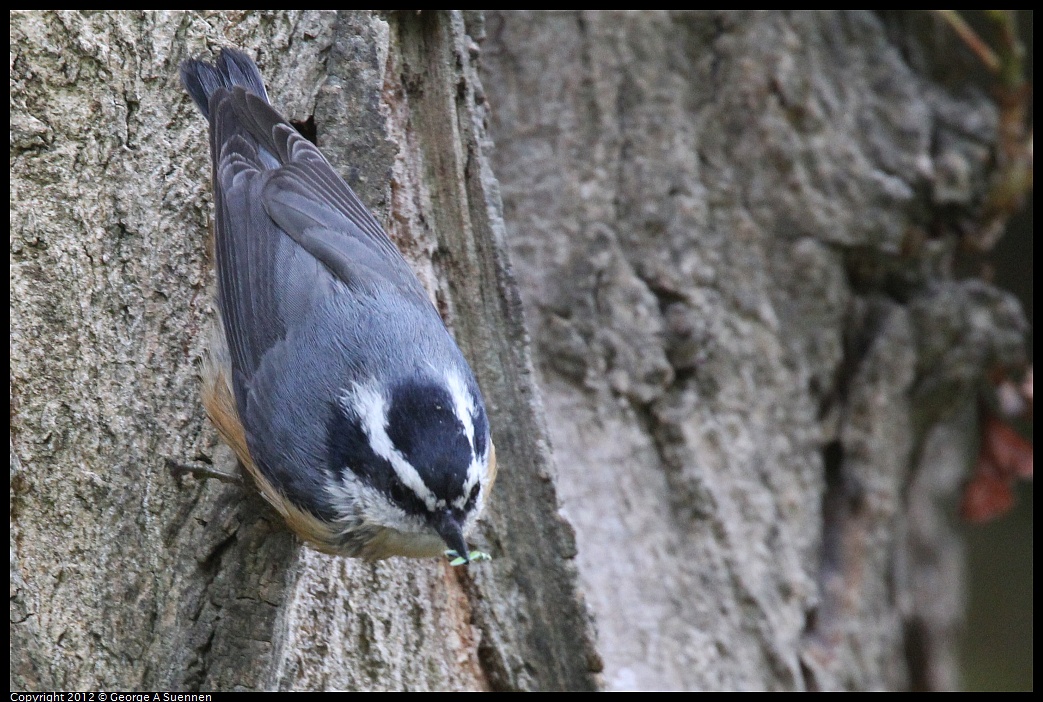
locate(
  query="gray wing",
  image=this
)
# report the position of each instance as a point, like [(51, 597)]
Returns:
[(288, 229)]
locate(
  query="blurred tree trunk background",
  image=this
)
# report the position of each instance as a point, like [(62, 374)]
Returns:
[(733, 240)]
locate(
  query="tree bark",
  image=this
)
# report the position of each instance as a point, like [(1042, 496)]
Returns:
[(732, 235), (122, 576)]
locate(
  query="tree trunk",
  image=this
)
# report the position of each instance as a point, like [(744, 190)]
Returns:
[(122, 576), (732, 233), (732, 236)]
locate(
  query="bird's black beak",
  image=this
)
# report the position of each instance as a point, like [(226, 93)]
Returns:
[(449, 529)]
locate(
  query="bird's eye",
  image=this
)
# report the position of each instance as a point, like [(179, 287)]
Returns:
[(398, 491), (473, 497)]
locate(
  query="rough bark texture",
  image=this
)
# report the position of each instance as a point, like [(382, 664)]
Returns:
[(125, 578), (732, 234)]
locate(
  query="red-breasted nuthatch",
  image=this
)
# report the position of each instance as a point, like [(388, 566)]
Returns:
[(331, 375)]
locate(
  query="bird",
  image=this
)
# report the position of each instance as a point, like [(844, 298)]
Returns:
[(330, 374)]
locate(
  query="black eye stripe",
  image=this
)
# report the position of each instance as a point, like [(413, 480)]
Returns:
[(404, 497), (472, 498), (349, 448), (481, 429)]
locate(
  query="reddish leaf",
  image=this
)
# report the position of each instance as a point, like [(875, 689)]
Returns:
[(1009, 453), (986, 496), (1003, 457)]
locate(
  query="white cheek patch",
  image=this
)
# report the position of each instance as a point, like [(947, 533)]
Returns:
[(359, 503), (369, 406)]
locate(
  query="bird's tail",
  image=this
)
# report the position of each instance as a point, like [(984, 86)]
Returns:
[(232, 68)]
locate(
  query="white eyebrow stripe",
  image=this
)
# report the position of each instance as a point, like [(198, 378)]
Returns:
[(464, 407), (369, 406), (463, 404)]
